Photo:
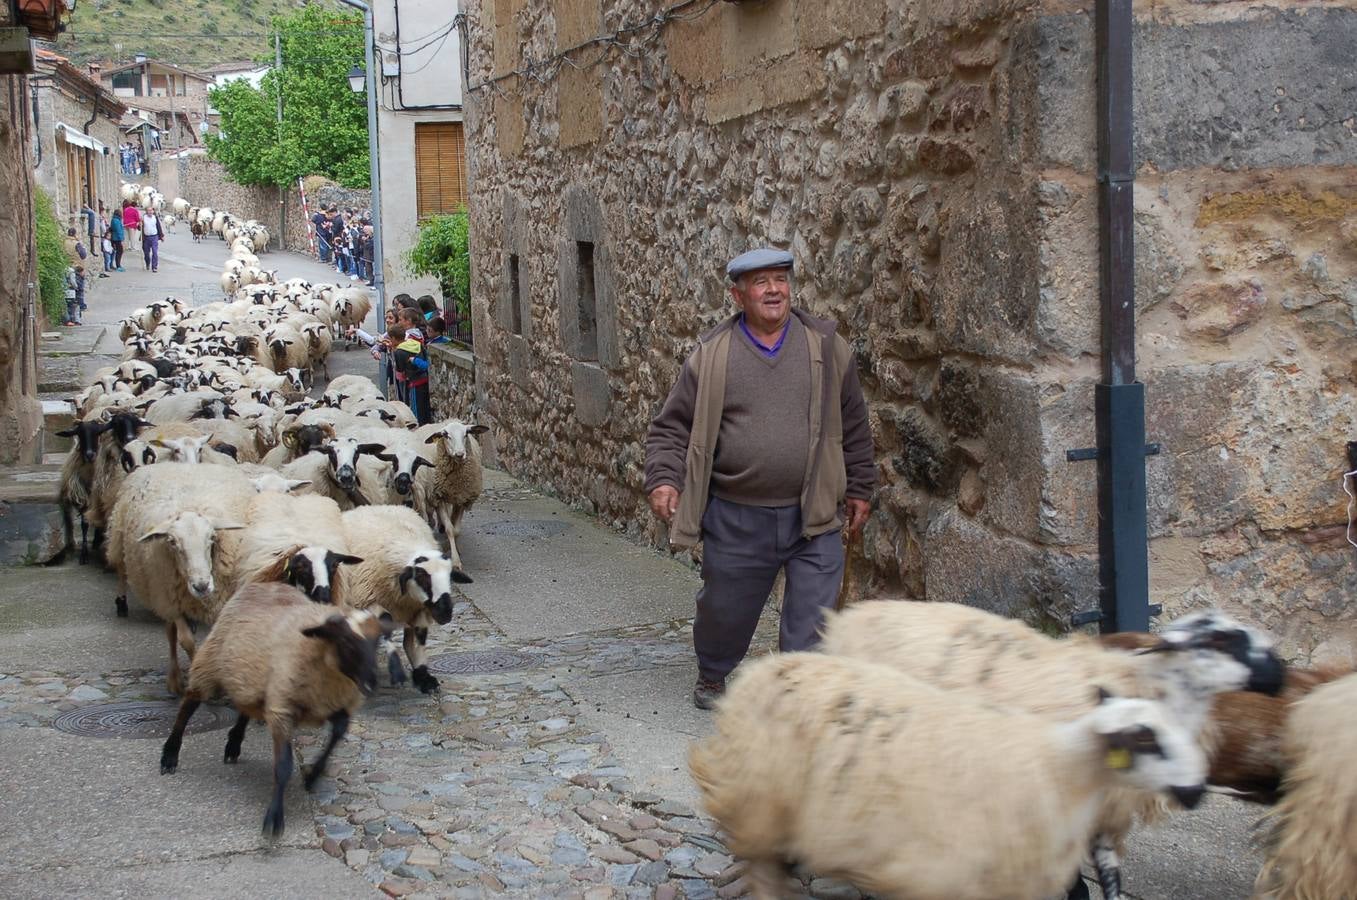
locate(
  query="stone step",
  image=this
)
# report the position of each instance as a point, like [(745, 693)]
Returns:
[(31, 534), (57, 415), (30, 484)]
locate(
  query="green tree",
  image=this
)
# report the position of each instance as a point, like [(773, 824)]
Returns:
[(442, 252), (324, 127), (52, 259)]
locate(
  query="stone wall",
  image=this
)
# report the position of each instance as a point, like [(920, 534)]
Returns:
[(55, 105), (20, 415), (931, 168)]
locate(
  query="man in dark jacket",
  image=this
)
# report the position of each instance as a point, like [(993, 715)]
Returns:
[(763, 453)]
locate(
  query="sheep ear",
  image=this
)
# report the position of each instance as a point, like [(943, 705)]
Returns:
[(344, 559), (129, 463), (377, 450), (160, 531), (386, 458), (228, 449), (433, 438), (460, 577), (228, 526), (1102, 693), (297, 485), (419, 461), (327, 630), (478, 429), (404, 577)]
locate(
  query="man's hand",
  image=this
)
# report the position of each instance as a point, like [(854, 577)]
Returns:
[(857, 512), (664, 502)]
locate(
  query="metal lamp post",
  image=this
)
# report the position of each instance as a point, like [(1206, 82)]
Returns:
[(357, 83)]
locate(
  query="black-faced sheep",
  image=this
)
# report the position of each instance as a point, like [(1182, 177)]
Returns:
[(859, 771), (281, 659)]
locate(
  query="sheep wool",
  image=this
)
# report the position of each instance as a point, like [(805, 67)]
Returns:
[(1312, 852), (861, 772)]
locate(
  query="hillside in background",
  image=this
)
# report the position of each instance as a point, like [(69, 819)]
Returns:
[(193, 33)]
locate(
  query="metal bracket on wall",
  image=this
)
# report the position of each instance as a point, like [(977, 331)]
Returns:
[(1090, 616), (1086, 453)]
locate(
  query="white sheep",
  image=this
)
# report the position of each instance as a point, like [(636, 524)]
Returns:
[(405, 573), (332, 471), (856, 770), (960, 648), (161, 541), (446, 490), (296, 539), (1312, 848)]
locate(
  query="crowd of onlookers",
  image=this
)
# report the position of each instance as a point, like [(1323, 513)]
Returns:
[(402, 349), (344, 239), (125, 228), (132, 158)]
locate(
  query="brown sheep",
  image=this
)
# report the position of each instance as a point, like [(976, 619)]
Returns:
[(284, 660)]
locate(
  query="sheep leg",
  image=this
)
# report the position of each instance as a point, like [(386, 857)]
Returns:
[(234, 737), (84, 540), (169, 754), (175, 680), (339, 726), (120, 601), (282, 773), (1078, 890), (765, 880), (1108, 864), (185, 631), (393, 664), (415, 640)]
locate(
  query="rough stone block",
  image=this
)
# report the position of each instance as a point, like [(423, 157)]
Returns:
[(1270, 83), (520, 362), (821, 24), (985, 297), (576, 22), (593, 394), (31, 534), (694, 48), (1016, 579), (580, 105), (789, 80), (753, 34), (507, 53), (1215, 311), (509, 125)]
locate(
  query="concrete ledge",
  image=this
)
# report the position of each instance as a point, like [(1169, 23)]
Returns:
[(454, 356)]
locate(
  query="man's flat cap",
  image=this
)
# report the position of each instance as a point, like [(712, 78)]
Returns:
[(753, 260)]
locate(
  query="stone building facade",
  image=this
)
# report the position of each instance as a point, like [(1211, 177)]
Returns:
[(76, 137), (932, 168), (20, 413)]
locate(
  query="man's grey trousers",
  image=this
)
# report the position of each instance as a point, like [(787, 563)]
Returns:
[(743, 547)]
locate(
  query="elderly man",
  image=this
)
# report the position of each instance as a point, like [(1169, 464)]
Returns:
[(762, 452)]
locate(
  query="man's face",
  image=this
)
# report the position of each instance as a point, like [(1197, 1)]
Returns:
[(765, 295)]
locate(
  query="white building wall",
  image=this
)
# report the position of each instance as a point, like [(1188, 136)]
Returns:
[(426, 73)]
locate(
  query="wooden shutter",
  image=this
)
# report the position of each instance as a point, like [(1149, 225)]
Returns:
[(440, 168)]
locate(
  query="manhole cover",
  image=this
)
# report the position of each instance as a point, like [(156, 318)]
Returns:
[(524, 528), (477, 662), (152, 719)]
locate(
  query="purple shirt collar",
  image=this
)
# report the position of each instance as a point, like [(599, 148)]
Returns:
[(770, 352)]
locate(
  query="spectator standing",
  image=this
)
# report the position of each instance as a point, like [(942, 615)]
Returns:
[(369, 255), (106, 246), (75, 293), (75, 250), (117, 234), (91, 218), (152, 232), (322, 247), (131, 222)]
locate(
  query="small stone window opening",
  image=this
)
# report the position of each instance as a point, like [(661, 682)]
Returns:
[(587, 295), (515, 294)]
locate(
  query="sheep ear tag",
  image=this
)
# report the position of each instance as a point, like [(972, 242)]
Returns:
[(1119, 758)]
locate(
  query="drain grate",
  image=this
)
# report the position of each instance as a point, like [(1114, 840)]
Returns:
[(479, 662), (538, 528), (152, 719)]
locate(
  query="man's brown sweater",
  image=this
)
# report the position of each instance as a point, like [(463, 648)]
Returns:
[(765, 422)]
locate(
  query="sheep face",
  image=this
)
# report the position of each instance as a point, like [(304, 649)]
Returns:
[(183, 449), (312, 571), (1229, 655), (86, 436), (354, 637), (1147, 749), (125, 427), (190, 538), (343, 454), (427, 579), (454, 435), (404, 463)]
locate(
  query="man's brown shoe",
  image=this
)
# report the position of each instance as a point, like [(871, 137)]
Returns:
[(706, 693)]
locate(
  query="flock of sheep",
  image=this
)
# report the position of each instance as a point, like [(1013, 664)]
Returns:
[(933, 750), (926, 751), (222, 494), (201, 220)]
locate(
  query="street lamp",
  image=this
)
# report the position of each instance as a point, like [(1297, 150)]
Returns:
[(357, 79)]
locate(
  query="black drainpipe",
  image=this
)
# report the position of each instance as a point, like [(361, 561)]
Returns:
[(1119, 399)]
